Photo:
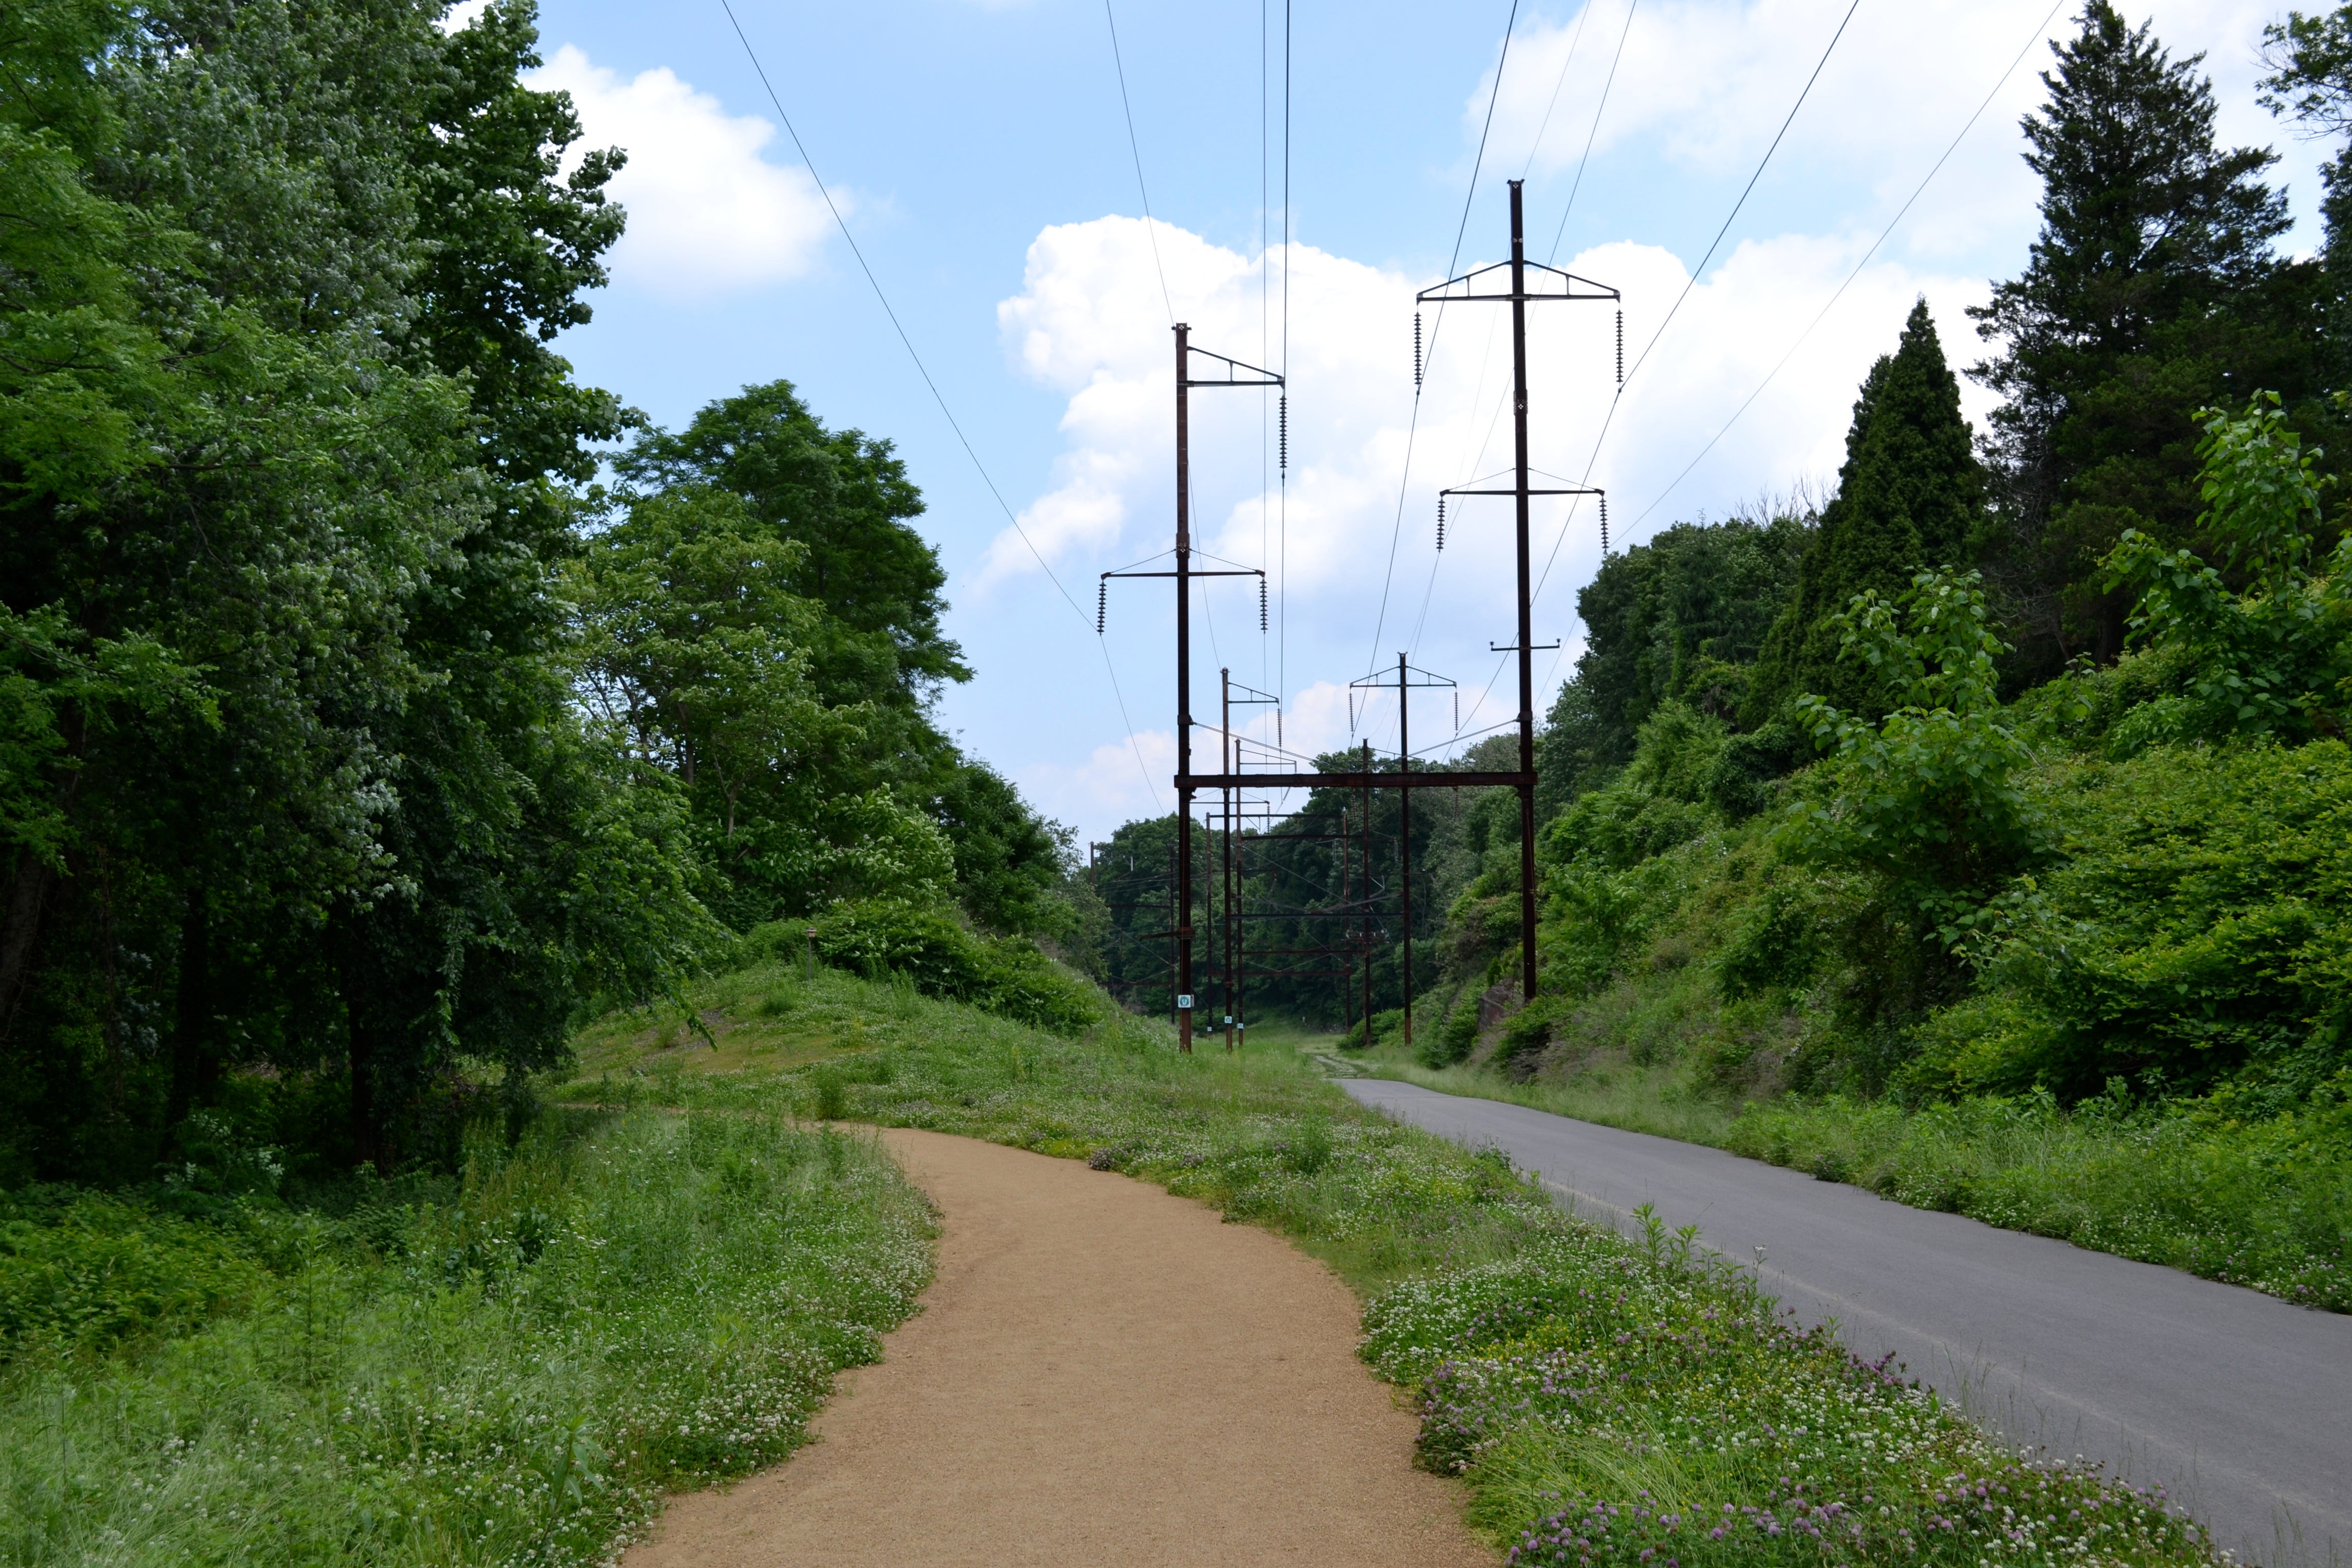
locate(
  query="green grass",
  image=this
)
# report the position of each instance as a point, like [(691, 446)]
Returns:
[(2263, 1201), (1559, 1369), (514, 1367)]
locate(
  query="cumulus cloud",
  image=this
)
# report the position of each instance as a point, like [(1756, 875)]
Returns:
[(1706, 84), (1086, 324), (1111, 785), (708, 214)]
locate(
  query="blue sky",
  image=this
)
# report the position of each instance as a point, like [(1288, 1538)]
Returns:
[(981, 154)]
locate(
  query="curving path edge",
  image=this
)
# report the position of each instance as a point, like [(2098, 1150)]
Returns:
[(2235, 1402), (1101, 1372)]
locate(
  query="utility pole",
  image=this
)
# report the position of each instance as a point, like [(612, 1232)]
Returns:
[(1406, 685), (1523, 492), (1236, 373)]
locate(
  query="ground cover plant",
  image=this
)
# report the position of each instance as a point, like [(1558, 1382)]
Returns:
[(512, 1365), (1606, 1400)]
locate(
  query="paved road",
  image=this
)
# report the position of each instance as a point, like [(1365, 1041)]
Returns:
[(2235, 1402)]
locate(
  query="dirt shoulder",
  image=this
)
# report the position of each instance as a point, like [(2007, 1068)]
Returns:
[(1101, 1374)]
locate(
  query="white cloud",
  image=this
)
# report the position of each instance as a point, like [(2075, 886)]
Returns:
[(707, 214), (1706, 84), (1120, 781)]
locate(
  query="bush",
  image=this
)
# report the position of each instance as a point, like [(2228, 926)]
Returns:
[(83, 1271), (1454, 1039), (1008, 974)]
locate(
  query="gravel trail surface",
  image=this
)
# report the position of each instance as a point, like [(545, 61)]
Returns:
[(2233, 1401), (1101, 1374)]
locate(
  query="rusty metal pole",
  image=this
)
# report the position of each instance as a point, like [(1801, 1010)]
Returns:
[(1227, 764), (1527, 620), (1404, 833), (1184, 921), (1367, 895)]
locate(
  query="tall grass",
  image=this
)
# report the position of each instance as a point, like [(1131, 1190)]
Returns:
[(2263, 1201), (620, 1306)]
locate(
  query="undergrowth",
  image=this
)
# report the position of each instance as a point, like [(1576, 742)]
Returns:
[(510, 1368)]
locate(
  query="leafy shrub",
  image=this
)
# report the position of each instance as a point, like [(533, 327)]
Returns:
[(2269, 658), (941, 958), (84, 1271), (1453, 1040), (2200, 925)]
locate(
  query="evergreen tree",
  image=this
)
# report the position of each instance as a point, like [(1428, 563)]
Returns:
[(2151, 290), (2311, 63), (1911, 495)]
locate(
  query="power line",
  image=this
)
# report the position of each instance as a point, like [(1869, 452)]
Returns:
[(1429, 589), (1700, 271), (1883, 235), (1595, 130), (1136, 148), (920, 368), (1610, 417), (1396, 530)]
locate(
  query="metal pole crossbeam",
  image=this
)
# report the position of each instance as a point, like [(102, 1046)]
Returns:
[(1569, 289), (1235, 373)]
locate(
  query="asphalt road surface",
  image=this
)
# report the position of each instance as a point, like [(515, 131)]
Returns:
[(2236, 1403)]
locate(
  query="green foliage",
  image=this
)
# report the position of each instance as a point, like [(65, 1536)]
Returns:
[(1910, 498), (1930, 799), (613, 1309), (2196, 929), (2274, 656), (1002, 975), (2153, 289), (82, 1272), (844, 501), (1454, 1039), (1674, 619)]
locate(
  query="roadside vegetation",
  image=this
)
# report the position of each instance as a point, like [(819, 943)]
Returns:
[(513, 1364), (1976, 832), (1607, 1400)]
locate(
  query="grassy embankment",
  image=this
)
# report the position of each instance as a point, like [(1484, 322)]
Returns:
[(511, 1366), (1608, 1402), (2148, 1062), (2253, 1200)]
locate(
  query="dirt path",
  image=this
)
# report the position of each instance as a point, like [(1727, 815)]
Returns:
[(1100, 1375)]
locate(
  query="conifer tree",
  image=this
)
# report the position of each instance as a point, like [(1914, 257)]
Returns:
[(2151, 290), (1911, 495), (2311, 80)]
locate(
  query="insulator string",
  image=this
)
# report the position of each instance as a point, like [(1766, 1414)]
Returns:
[(1102, 604), (1604, 525), (1281, 406), (1441, 520), (1416, 351), (1261, 603), (1621, 348)]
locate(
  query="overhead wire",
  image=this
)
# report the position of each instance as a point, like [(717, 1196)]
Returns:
[(1876, 245), (1610, 416), (1136, 149), (1109, 668), (1412, 426), (1577, 185)]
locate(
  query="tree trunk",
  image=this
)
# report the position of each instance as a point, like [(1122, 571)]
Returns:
[(20, 928), (196, 1065), (369, 1145)]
